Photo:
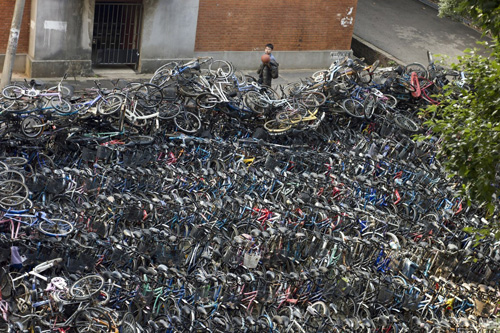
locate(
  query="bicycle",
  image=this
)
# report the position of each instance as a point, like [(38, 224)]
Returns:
[(49, 226), (56, 97)]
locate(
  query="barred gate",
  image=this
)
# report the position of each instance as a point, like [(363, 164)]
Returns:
[(117, 30)]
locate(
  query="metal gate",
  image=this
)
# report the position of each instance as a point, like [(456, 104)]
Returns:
[(116, 37)]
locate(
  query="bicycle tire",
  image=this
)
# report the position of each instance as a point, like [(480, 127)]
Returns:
[(61, 105), (66, 90), (110, 104), (15, 105), (192, 88), (207, 100), (221, 68), (353, 108), (12, 174), (275, 127), (55, 227), (149, 95), (14, 161), (289, 117), (13, 193), (86, 287), (255, 102), (364, 76), (320, 311), (164, 74), (391, 101), (418, 68), (319, 76), (91, 319), (169, 110), (187, 122), (12, 92), (31, 127), (369, 106), (406, 123), (312, 99)]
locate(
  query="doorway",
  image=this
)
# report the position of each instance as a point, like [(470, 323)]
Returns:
[(117, 31)]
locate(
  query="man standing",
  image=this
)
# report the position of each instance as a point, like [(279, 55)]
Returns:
[(268, 69)]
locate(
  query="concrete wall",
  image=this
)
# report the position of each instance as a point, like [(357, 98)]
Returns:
[(60, 37), (287, 59), (168, 32)]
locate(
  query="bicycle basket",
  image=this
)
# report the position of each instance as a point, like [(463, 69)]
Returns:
[(56, 185), (37, 183), (88, 154), (410, 302), (133, 214), (103, 152), (251, 260), (385, 295), (482, 309)]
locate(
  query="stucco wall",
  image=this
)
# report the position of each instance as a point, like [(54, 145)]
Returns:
[(168, 32), (60, 37)]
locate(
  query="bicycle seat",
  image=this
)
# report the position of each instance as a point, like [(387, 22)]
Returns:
[(36, 83)]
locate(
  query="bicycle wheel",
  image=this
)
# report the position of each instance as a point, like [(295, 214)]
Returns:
[(275, 127), (86, 287), (369, 106), (13, 192), (406, 123), (61, 105), (354, 108), (163, 74), (207, 100), (149, 95), (364, 76), (12, 92), (315, 315), (320, 76), (14, 161), (167, 110), (418, 68), (32, 126), (55, 227), (128, 323), (13, 105), (187, 122), (255, 102), (192, 87), (391, 101), (289, 117), (92, 320), (66, 90), (312, 99), (110, 104), (220, 68)]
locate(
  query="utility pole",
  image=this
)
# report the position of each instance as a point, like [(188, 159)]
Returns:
[(10, 54)]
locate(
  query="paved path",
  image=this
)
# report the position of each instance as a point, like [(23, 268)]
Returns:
[(406, 29)]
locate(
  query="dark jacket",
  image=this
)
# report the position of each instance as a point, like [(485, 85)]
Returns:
[(265, 74)]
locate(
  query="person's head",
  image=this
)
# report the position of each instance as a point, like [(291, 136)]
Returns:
[(269, 48)]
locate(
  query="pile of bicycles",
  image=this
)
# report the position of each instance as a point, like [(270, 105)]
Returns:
[(202, 202)]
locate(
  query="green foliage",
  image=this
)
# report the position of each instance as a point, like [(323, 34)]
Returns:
[(469, 121), (448, 8), (484, 13)]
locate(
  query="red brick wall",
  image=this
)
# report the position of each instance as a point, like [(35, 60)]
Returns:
[(6, 12), (291, 25)]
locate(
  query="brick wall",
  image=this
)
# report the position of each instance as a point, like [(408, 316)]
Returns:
[(6, 12), (291, 25)]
